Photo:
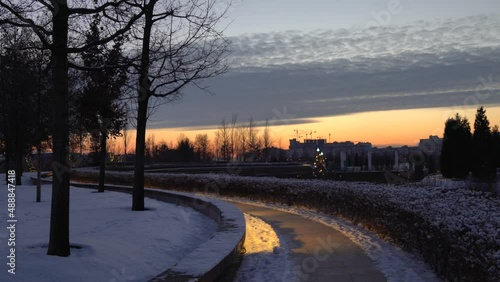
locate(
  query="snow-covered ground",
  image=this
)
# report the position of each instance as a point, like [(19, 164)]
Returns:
[(266, 257), (113, 243)]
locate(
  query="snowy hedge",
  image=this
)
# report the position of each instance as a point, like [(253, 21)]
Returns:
[(456, 231)]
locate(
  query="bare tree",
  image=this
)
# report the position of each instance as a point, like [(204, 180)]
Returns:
[(266, 141), (126, 138), (217, 145), (150, 146), (125, 131), (223, 136), (201, 146), (241, 141), (254, 143), (233, 135), (180, 44)]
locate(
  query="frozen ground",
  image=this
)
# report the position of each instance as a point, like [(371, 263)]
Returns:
[(113, 243)]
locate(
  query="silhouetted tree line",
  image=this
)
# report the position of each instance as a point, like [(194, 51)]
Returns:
[(25, 102), (464, 152), (184, 151), (244, 142), (26, 123)]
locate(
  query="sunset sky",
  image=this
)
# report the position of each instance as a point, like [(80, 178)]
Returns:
[(388, 72)]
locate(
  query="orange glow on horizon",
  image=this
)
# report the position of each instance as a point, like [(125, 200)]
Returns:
[(382, 128)]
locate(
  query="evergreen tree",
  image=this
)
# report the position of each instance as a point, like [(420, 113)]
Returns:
[(455, 153), (482, 155), (185, 149), (100, 109), (23, 98), (495, 143)]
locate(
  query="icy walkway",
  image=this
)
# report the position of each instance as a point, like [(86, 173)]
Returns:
[(318, 252)]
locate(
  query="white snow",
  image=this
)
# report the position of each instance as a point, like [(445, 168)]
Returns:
[(266, 257), (116, 243), (209, 253)]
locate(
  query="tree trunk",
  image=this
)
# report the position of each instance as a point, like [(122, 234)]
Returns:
[(9, 163), (138, 190), (143, 98), (19, 162), (39, 173), (39, 138), (102, 168), (59, 217), (81, 142)]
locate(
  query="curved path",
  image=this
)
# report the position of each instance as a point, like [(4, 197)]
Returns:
[(319, 252)]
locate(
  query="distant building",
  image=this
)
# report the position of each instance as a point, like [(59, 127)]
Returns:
[(362, 156), (307, 149), (431, 146)]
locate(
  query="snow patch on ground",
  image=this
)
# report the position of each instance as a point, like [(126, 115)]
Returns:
[(260, 236), (266, 257), (114, 243)]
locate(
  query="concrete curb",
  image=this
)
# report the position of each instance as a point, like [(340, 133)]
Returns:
[(212, 257)]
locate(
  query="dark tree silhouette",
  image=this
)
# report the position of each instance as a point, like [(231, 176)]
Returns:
[(201, 145), (180, 44), (185, 149), (100, 106), (455, 153), (23, 94), (482, 148), (495, 141), (266, 141)]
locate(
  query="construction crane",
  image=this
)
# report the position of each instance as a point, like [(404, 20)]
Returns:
[(310, 134), (299, 132)]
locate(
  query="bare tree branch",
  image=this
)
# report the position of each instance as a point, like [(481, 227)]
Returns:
[(99, 9), (40, 31), (105, 40)]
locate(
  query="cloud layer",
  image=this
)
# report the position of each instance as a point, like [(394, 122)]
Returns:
[(332, 72), (443, 40)]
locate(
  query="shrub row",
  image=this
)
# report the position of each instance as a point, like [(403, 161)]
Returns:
[(456, 231)]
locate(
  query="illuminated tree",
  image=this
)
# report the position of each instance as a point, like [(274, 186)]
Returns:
[(319, 166)]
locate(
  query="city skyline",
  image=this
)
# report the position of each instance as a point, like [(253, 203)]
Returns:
[(357, 127)]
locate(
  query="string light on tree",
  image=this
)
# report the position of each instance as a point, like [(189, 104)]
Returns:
[(319, 169)]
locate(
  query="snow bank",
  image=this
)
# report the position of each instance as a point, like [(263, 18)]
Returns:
[(113, 243)]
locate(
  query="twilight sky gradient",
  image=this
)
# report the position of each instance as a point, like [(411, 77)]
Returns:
[(384, 71)]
